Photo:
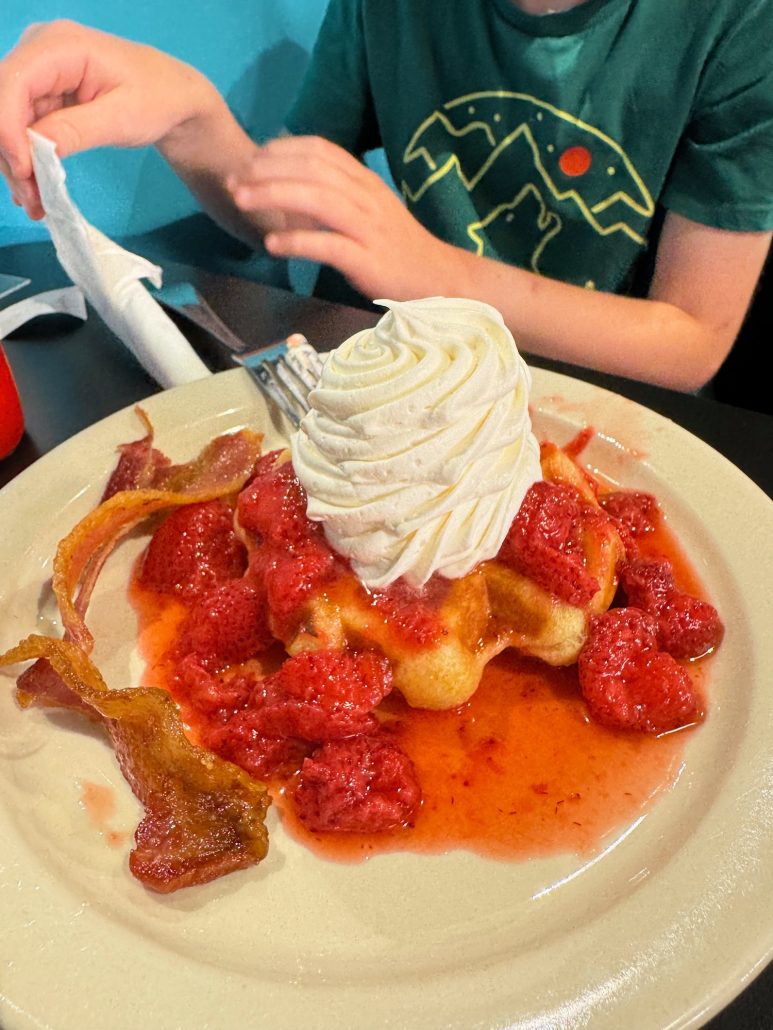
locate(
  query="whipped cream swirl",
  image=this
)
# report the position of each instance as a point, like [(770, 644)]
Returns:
[(418, 450)]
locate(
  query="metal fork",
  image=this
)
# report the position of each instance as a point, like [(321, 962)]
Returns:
[(285, 372)]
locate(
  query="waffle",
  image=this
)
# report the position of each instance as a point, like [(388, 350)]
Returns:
[(473, 618), (531, 618)]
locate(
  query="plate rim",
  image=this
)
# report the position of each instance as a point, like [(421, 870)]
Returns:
[(546, 386)]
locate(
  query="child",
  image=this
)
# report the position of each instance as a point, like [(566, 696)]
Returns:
[(532, 148)]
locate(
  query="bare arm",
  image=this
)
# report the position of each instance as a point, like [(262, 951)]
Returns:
[(84, 88), (677, 337), (207, 152)]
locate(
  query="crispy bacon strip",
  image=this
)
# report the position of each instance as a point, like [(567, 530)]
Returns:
[(142, 467), (221, 469), (138, 462), (224, 465), (204, 817)]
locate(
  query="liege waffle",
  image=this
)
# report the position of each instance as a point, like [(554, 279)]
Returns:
[(481, 614)]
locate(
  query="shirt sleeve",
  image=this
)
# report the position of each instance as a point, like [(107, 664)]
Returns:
[(335, 99), (722, 173)]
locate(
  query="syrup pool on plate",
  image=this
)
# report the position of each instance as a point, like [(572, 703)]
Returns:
[(519, 771)]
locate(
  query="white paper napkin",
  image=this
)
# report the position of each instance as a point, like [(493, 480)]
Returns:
[(66, 301), (110, 278)]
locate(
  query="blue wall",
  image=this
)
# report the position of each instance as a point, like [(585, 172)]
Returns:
[(255, 51)]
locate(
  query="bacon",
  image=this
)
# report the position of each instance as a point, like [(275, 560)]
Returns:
[(137, 464), (141, 466), (42, 685), (221, 469), (224, 465), (204, 817)]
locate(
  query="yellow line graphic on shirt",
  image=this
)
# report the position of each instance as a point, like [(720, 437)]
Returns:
[(547, 221), (492, 115)]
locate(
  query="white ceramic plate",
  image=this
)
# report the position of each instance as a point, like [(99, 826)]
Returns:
[(660, 929)]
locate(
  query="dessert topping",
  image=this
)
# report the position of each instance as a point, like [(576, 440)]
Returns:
[(418, 449)]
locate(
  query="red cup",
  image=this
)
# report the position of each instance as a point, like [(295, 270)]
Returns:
[(11, 415)]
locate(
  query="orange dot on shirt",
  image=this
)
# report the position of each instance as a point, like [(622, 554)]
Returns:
[(575, 161)]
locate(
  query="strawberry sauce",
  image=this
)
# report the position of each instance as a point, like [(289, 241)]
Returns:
[(99, 802), (519, 771)]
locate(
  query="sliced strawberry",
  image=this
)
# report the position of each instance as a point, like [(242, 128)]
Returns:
[(262, 757), (542, 542), (193, 550), (413, 612), (290, 577), (228, 625), (627, 682), (361, 785), (272, 507), (313, 696), (687, 626), (547, 514), (320, 695), (636, 512), (647, 582), (208, 692)]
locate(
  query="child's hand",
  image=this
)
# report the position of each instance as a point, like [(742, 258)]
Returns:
[(330, 208), (84, 88)]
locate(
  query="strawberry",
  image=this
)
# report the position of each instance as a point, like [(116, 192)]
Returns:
[(209, 693), (547, 514), (635, 512), (413, 612), (262, 757), (227, 625), (362, 785), (542, 542), (627, 682), (290, 577), (272, 507), (193, 550), (313, 696), (687, 626), (647, 582), (289, 554), (320, 695)]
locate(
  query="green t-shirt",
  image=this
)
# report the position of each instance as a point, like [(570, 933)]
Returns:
[(548, 141)]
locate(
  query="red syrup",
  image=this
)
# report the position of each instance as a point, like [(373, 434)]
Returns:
[(519, 771), (99, 802)]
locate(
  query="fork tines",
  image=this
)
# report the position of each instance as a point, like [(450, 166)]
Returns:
[(286, 373)]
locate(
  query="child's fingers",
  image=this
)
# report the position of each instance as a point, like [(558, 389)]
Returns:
[(336, 210), (306, 157), (45, 67), (327, 248), (300, 190), (81, 88), (84, 126), (23, 191)]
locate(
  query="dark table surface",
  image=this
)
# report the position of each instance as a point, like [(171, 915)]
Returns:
[(72, 374)]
